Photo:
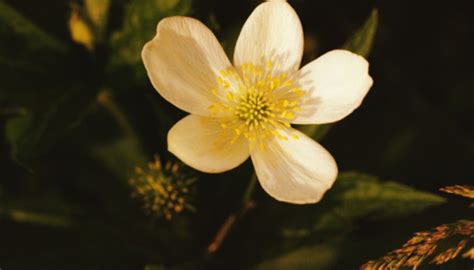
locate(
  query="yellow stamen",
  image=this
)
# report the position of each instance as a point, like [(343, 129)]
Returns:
[(259, 103)]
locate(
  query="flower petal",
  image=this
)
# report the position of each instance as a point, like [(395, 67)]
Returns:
[(295, 170), (183, 61), (203, 144), (272, 32), (335, 85)]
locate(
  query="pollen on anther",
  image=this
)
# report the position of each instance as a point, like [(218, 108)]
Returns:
[(259, 101), (163, 190)]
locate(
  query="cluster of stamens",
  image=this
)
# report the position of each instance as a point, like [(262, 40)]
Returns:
[(253, 108), (164, 190), (257, 102)]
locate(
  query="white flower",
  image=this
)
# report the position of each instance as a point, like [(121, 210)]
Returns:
[(246, 109)]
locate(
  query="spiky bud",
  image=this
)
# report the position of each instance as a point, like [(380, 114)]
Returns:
[(164, 190)]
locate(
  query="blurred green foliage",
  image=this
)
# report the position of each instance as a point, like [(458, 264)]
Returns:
[(139, 26), (37, 73), (362, 40), (76, 119), (33, 37), (312, 257), (121, 153)]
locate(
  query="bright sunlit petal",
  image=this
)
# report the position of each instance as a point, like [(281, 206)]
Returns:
[(271, 35), (200, 143), (182, 62), (335, 85), (295, 170)]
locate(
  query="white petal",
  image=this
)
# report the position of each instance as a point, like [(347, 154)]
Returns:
[(272, 32), (295, 171), (335, 85), (202, 143), (182, 62)]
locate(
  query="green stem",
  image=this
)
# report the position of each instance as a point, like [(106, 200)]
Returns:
[(234, 217), (314, 131), (13, 111), (249, 190), (126, 151), (107, 101), (26, 216), (317, 132)]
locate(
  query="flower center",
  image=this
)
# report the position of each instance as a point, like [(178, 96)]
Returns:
[(254, 108), (257, 102)]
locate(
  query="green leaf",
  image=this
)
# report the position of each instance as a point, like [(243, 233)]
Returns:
[(23, 216), (311, 257), (154, 267), (139, 26), (362, 40), (361, 195), (46, 211), (35, 38), (42, 77), (46, 122), (356, 196), (30, 57), (14, 129), (317, 132), (124, 153), (120, 156)]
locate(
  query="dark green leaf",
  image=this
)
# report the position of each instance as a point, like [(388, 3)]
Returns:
[(353, 199), (312, 257), (356, 196), (37, 73), (120, 156), (35, 38), (317, 132), (46, 123), (154, 267), (362, 40), (28, 57), (124, 153), (139, 26), (48, 211)]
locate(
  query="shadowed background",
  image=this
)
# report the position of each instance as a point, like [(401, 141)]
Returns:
[(62, 150)]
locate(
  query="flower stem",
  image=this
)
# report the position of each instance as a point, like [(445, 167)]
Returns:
[(249, 190), (232, 219), (42, 218), (106, 100), (127, 152), (316, 132)]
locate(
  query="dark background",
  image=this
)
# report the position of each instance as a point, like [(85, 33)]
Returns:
[(415, 127)]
